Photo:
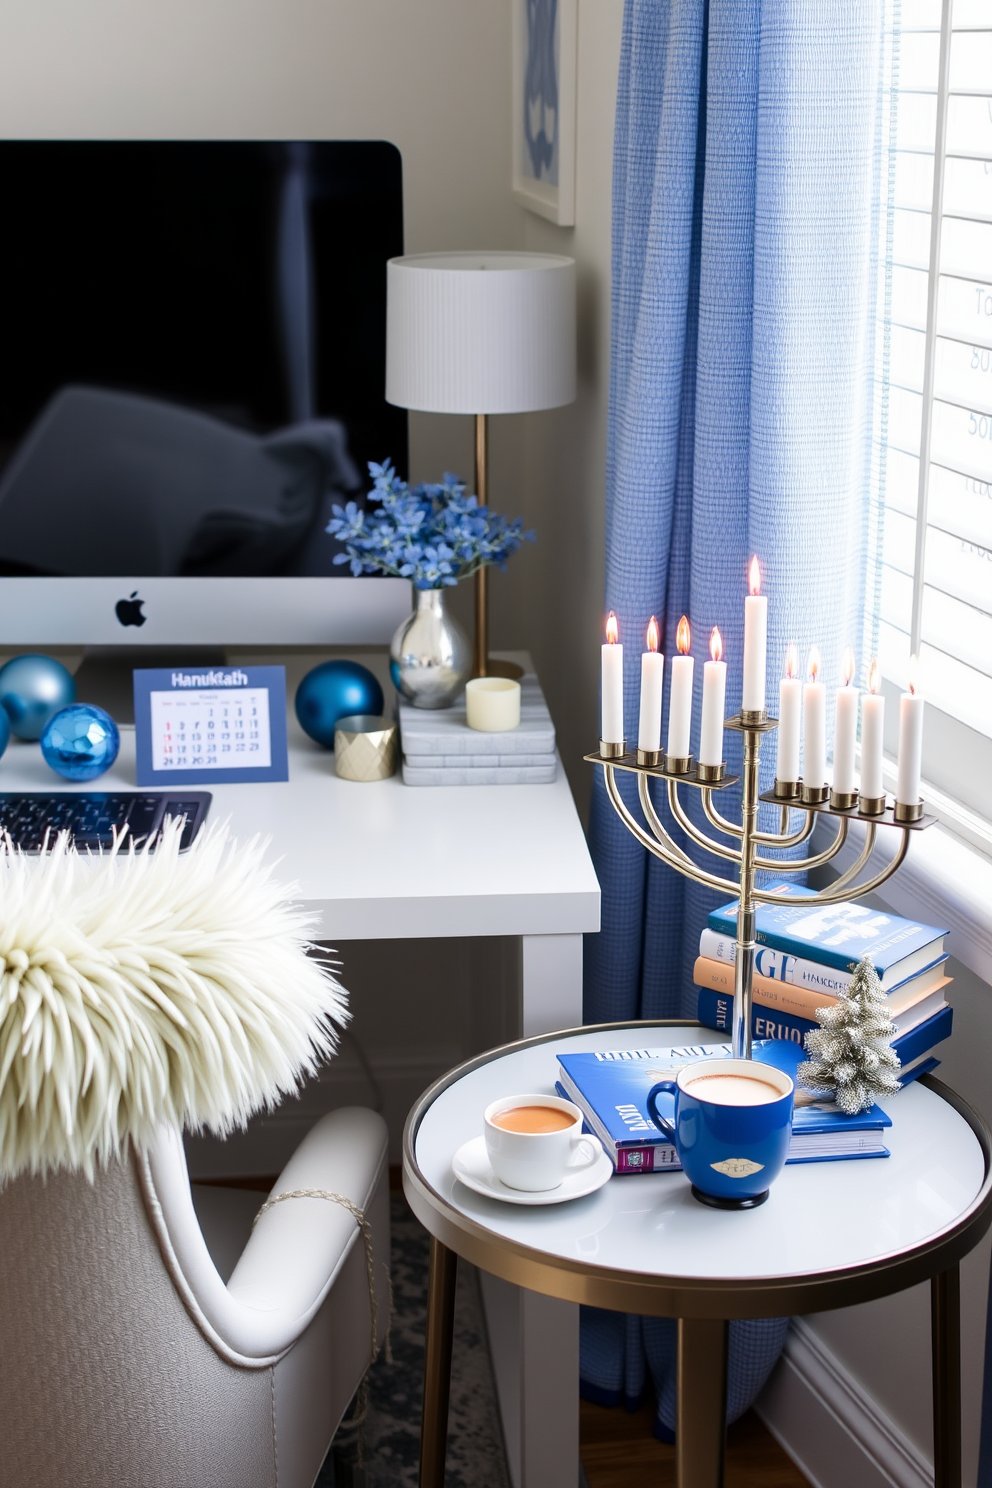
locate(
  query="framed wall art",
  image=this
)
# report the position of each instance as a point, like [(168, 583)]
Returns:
[(545, 61)]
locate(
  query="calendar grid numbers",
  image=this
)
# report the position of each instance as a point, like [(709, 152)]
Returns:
[(227, 729)]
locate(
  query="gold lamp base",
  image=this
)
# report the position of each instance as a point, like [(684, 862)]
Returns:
[(483, 665)]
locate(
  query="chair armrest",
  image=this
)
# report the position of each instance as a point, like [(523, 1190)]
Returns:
[(296, 1250), (298, 1247)]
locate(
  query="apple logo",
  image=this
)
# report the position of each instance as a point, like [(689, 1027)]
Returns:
[(128, 611)]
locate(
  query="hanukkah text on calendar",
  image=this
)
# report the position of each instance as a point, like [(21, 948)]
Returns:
[(209, 679)]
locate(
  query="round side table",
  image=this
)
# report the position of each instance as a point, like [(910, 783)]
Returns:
[(642, 1244)]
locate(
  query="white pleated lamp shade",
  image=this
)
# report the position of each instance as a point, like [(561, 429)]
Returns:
[(480, 332)]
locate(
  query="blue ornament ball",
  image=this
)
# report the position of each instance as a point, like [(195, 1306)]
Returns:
[(333, 690), (80, 742), (4, 730), (32, 688)]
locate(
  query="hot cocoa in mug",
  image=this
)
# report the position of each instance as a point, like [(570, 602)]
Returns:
[(535, 1141), (732, 1128)]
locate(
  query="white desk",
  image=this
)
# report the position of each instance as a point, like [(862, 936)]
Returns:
[(389, 861)]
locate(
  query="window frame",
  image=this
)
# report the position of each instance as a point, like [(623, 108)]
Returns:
[(957, 761)]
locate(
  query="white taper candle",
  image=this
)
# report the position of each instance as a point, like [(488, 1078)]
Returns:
[(790, 703), (872, 730), (680, 696), (846, 731), (814, 726), (910, 742), (755, 643), (612, 723), (652, 676), (714, 697)]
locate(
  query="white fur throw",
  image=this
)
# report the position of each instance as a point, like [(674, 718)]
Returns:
[(138, 988)]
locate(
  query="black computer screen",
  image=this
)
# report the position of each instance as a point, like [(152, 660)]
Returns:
[(192, 351)]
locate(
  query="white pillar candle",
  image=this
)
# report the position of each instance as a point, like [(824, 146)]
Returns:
[(652, 676), (755, 644), (714, 695), (910, 742), (846, 730), (680, 696), (790, 702), (492, 704), (612, 723), (814, 725), (872, 728)]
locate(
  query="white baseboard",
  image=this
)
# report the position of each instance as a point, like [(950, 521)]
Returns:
[(833, 1431)]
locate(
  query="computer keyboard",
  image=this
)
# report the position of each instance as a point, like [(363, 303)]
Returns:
[(94, 817)]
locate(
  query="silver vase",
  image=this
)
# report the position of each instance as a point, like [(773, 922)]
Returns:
[(429, 656)]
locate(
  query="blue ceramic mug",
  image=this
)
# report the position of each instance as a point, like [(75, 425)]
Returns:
[(733, 1124)]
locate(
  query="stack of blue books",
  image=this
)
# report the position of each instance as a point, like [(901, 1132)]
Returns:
[(611, 1087), (803, 948)]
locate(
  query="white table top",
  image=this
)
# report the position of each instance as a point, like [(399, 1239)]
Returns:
[(383, 860), (820, 1216)]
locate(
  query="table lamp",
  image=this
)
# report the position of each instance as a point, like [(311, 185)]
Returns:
[(480, 333)]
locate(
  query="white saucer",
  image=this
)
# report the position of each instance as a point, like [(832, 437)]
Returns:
[(471, 1167)]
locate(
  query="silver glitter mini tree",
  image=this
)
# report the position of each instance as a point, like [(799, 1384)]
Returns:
[(852, 1056)]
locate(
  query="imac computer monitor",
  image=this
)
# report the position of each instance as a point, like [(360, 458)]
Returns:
[(192, 374)]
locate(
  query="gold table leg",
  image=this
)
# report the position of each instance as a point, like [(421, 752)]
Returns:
[(945, 1337), (700, 1426), (437, 1364)]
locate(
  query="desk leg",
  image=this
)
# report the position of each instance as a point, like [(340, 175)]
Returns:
[(551, 983), (945, 1335), (701, 1421), (437, 1364)]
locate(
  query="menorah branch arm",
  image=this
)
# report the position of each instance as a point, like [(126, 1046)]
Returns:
[(713, 816), (719, 849), (844, 888), (790, 839), (766, 839), (664, 848), (655, 823), (800, 865)]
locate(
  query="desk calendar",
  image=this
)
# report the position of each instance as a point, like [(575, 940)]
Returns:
[(194, 725)]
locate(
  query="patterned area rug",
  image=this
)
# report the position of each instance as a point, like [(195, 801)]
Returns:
[(476, 1457)]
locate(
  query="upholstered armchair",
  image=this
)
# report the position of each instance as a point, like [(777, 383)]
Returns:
[(150, 1337)]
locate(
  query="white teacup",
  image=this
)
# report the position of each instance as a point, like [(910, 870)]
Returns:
[(532, 1152)]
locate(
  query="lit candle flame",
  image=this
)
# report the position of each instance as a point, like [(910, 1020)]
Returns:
[(654, 635), (716, 644), (612, 629), (683, 636), (792, 660), (874, 680), (914, 670), (814, 663), (849, 666), (754, 576)]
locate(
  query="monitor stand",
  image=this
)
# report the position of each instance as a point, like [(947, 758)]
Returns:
[(104, 676)]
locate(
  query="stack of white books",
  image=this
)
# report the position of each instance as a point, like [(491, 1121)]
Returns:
[(439, 748)]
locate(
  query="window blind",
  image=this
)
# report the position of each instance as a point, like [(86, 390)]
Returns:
[(934, 385)]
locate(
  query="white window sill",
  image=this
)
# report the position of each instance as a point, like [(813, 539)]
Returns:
[(944, 881)]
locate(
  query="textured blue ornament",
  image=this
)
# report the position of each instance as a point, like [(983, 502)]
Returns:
[(32, 688), (80, 742), (333, 690)]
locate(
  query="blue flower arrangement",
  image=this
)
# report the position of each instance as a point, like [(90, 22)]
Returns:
[(433, 535)]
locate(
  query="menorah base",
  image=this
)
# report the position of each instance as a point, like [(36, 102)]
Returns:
[(715, 1203)]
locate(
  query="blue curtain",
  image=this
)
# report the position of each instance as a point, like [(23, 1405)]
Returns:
[(746, 177)]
